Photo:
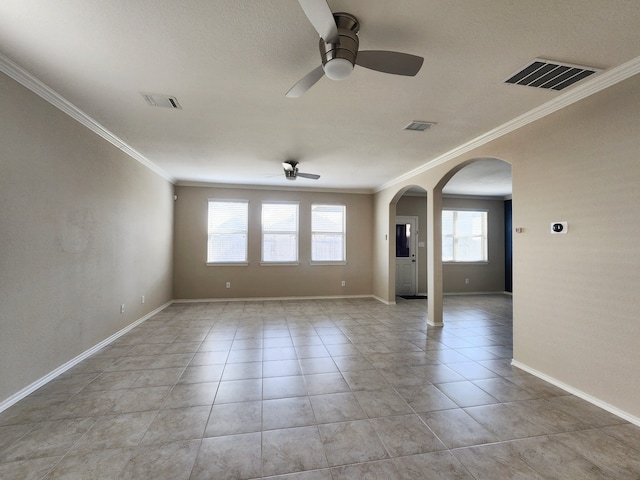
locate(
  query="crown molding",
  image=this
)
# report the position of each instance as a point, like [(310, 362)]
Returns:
[(27, 80), (600, 82), (235, 186)]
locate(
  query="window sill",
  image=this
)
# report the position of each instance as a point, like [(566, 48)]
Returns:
[(327, 263), (228, 264), (482, 262), (279, 264)]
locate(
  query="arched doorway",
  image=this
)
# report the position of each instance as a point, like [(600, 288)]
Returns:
[(462, 180), (476, 204), (474, 224), (410, 244), (407, 242)]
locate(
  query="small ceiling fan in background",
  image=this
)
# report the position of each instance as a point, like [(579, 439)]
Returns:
[(291, 171), (339, 49)]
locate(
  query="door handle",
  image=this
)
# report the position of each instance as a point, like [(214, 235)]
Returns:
[(413, 261)]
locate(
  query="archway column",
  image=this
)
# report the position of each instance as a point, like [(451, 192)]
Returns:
[(434, 259)]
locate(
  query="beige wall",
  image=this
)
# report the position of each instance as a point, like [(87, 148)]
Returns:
[(576, 296), (195, 280), (83, 229)]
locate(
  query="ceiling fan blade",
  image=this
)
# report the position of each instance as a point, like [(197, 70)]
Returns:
[(396, 63), (308, 81), (320, 16), (313, 176)]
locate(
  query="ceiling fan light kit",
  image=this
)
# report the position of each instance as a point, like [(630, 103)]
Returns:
[(338, 58), (338, 68)]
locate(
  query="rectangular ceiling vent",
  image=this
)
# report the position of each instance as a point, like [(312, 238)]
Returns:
[(419, 126), (551, 75), (166, 101)]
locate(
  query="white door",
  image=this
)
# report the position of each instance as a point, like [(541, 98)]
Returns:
[(406, 260)]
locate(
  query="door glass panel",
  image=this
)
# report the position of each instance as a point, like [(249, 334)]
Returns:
[(403, 237)]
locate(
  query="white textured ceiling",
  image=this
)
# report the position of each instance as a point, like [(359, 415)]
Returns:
[(230, 62)]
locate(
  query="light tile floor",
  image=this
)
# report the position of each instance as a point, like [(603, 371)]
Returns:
[(313, 390)]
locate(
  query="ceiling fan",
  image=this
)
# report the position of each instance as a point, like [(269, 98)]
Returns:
[(339, 49), (291, 171)]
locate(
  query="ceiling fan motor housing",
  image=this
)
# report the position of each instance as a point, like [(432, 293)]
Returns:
[(291, 173), (335, 55)]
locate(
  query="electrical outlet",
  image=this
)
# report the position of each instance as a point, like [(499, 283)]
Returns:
[(122, 308), (228, 285), (344, 284), (466, 281), (142, 299)]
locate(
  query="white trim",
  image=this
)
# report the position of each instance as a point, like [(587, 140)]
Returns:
[(277, 188), (16, 397), (328, 263), (279, 263), (451, 294), (600, 82), (27, 80), (227, 264), (578, 393), (453, 262), (267, 299), (383, 301)]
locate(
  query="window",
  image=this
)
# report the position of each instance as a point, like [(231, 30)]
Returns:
[(464, 236), (328, 233), (228, 223), (279, 232)]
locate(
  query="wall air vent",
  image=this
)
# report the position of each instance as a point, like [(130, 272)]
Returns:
[(166, 101), (419, 126), (551, 75)]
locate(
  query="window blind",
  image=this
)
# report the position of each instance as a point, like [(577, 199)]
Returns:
[(227, 227), (328, 233), (279, 232), (464, 236)]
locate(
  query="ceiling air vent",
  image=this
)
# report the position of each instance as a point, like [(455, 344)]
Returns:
[(551, 75), (156, 100), (419, 126)]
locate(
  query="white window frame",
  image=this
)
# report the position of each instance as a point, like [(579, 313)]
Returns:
[(342, 232), (483, 236), (296, 233), (211, 232)]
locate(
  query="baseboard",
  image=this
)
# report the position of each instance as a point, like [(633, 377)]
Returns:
[(267, 299), (16, 397), (386, 302), (578, 393), (451, 294)]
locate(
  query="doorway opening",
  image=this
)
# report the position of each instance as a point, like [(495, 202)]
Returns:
[(482, 186), (410, 244), (406, 256)]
